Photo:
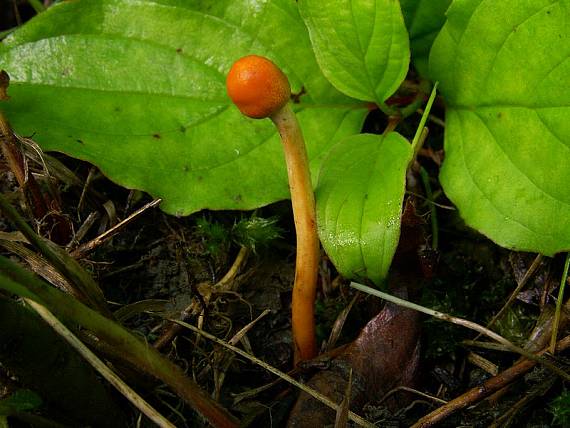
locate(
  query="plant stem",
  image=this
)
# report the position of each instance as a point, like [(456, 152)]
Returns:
[(416, 147), (436, 314), (465, 323), (559, 305), (17, 280), (306, 263), (60, 260), (37, 5), (100, 366)]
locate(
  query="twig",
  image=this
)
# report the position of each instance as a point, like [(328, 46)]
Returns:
[(528, 274), (86, 248), (483, 363), (528, 355), (315, 394), (436, 314), (411, 390), (60, 260), (538, 391), (222, 361), (488, 387), (223, 284), (226, 281), (341, 419), (559, 305), (462, 322), (100, 366), (126, 346)]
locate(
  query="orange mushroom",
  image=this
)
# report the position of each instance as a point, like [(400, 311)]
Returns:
[(260, 89)]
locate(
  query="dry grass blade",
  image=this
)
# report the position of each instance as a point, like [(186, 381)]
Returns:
[(100, 366), (325, 400), (59, 259), (558, 312), (412, 391), (539, 390), (132, 351), (42, 268), (339, 324), (527, 276), (465, 323), (487, 388), (341, 420), (86, 248)]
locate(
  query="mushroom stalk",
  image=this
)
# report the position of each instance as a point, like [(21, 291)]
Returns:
[(260, 89), (307, 259)]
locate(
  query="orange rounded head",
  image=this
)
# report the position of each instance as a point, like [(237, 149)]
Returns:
[(257, 86)]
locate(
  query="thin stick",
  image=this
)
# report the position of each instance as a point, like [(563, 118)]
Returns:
[(433, 118), (86, 248), (528, 355), (559, 305), (223, 284), (464, 323), (59, 259), (100, 366), (528, 274), (487, 388), (315, 394), (537, 391), (410, 390), (125, 346), (436, 314), (227, 280)]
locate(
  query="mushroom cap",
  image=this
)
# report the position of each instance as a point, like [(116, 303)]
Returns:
[(257, 86)]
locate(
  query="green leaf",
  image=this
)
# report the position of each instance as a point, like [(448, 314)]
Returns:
[(138, 89), (359, 203), (362, 46), (503, 68), (20, 401), (424, 19)]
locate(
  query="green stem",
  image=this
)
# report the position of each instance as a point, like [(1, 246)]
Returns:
[(6, 32), (17, 280), (100, 366), (37, 5), (387, 110), (559, 305), (424, 118)]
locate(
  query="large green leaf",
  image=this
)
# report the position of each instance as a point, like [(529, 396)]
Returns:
[(138, 88), (362, 45), (504, 70), (424, 19), (359, 203)]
